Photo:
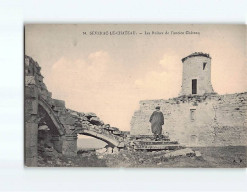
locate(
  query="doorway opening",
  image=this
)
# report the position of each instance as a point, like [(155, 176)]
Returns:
[(194, 86)]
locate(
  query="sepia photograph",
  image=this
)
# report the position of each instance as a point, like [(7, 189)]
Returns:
[(135, 95)]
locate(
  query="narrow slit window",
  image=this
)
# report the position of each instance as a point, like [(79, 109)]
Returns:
[(194, 86), (204, 65), (192, 114)]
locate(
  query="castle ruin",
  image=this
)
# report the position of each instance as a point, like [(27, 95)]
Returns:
[(198, 116), (51, 128)]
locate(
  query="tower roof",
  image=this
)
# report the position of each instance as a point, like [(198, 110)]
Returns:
[(196, 54)]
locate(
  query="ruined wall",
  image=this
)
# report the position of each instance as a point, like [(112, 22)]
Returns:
[(208, 120), (42, 112), (32, 85)]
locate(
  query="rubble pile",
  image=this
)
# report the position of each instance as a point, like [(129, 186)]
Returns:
[(90, 121)]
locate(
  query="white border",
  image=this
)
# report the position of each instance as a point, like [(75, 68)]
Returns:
[(13, 175)]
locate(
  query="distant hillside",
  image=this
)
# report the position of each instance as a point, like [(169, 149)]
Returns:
[(89, 143)]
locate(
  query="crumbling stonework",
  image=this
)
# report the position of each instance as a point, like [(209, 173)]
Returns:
[(201, 119), (192, 120), (58, 124), (218, 119)]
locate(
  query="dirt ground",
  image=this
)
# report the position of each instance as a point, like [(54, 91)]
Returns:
[(211, 157)]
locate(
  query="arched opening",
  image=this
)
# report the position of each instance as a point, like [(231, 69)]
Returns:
[(46, 122), (89, 143), (48, 128), (47, 115)]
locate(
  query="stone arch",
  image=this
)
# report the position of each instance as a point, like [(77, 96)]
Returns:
[(51, 119), (111, 141), (61, 141)]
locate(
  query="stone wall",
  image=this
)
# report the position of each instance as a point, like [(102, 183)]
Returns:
[(208, 120), (31, 111)]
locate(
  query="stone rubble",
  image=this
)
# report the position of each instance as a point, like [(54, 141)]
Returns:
[(70, 123), (182, 152), (44, 113)]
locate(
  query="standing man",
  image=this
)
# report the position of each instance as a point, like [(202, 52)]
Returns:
[(157, 120)]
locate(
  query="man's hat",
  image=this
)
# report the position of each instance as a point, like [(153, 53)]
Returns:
[(157, 107)]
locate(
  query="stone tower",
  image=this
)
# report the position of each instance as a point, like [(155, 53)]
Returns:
[(196, 74)]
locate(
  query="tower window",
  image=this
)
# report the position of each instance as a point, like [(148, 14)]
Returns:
[(204, 65), (194, 86), (192, 114)]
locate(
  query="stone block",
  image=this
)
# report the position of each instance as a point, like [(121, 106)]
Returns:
[(90, 115), (182, 152), (58, 103), (117, 132), (85, 126), (31, 142), (101, 151), (31, 92), (83, 118), (57, 143), (82, 114), (106, 126), (74, 113), (31, 134), (31, 106), (67, 120), (69, 128), (58, 109), (69, 146), (30, 80), (115, 150), (85, 122), (198, 154), (96, 121), (109, 150), (121, 145), (30, 118)]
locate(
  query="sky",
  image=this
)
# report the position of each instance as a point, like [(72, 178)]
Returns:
[(110, 74)]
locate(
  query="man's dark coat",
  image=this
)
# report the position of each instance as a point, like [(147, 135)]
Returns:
[(157, 120)]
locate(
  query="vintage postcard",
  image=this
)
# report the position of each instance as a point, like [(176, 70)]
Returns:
[(135, 95)]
